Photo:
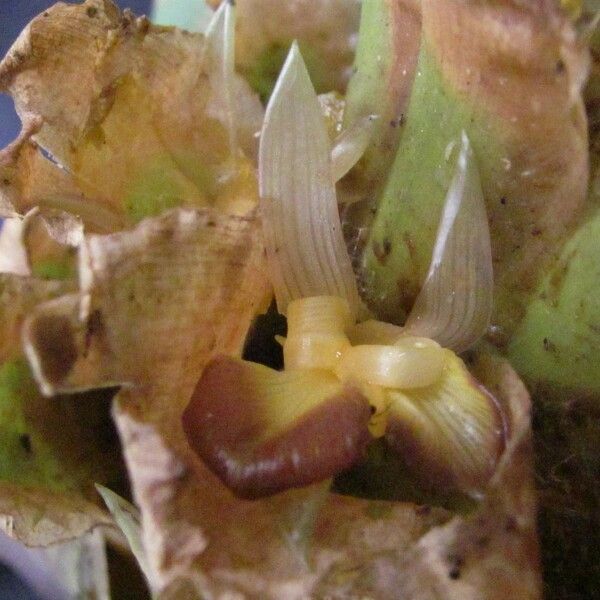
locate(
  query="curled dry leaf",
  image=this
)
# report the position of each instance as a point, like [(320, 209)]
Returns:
[(181, 287), (94, 89), (104, 142), (88, 340), (52, 450), (155, 303), (63, 227)]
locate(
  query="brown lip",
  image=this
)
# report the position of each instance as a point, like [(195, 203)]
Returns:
[(226, 425)]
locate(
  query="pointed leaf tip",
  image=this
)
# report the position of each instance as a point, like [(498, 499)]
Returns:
[(455, 302), (303, 234)]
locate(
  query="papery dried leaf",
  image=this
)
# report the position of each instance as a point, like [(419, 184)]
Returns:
[(29, 179), (101, 102), (63, 227), (13, 254), (18, 296), (37, 517), (168, 294), (48, 257), (80, 565), (128, 280), (51, 450), (29, 245)]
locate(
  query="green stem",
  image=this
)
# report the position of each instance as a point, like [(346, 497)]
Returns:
[(399, 248)]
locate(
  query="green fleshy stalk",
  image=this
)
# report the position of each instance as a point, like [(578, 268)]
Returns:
[(529, 136), (398, 254), (384, 68)]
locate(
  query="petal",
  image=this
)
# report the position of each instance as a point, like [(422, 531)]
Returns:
[(263, 431), (452, 433)]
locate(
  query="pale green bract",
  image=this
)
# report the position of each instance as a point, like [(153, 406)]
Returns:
[(303, 234), (455, 302), (127, 517)]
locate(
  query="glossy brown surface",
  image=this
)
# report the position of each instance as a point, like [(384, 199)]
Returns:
[(231, 425)]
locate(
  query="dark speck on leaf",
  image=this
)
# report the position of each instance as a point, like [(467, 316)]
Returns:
[(455, 562), (382, 250), (511, 524), (25, 441), (469, 357), (410, 245), (560, 66), (503, 200), (91, 12), (95, 326), (549, 346), (6, 181)]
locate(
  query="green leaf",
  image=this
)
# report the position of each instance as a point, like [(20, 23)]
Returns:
[(383, 73), (558, 340), (127, 518)]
